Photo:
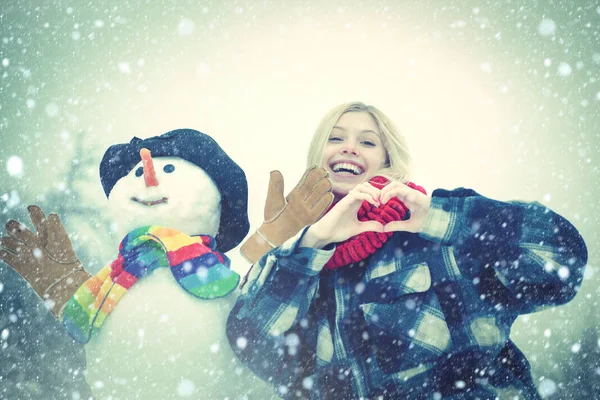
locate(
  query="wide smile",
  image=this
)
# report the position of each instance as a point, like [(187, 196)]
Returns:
[(149, 203), (346, 168)]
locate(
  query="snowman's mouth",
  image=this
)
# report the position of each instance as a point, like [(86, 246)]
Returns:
[(149, 203)]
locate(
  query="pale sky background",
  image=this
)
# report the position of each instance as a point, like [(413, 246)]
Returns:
[(499, 96)]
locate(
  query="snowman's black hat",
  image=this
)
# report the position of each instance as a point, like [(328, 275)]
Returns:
[(197, 148)]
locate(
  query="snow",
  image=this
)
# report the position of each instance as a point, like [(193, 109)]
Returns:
[(185, 388), (564, 69), (292, 340), (51, 110), (202, 272), (359, 288), (547, 27), (14, 166), (307, 383), (564, 273), (241, 342), (486, 67), (547, 388), (575, 348), (547, 197), (37, 253), (186, 27), (124, 68), (214, 348), (98, 384), (12, 200), (49, 304)]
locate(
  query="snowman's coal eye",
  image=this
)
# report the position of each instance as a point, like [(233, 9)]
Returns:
[(139, 172), (169, 168)]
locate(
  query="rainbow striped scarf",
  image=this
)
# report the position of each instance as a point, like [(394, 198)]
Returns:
[(196, 266)]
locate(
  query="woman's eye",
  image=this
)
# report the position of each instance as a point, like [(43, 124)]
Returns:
[(335, 139), (169, 168), (368, 143), (139, 172)]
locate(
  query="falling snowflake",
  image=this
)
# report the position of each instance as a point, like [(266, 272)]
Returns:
[(185, 27), (14, 166), (124, 68), (563, 273), (185, 388), (359, 288), (241, 342), (547, 197), (51, 110), (547, 388), (564, 69), (99, 384), (37, 253), (547, 27), (307, 383), (486, 67)]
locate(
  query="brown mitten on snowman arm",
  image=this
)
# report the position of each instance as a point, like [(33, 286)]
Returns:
[(284, 217), (46, 259)]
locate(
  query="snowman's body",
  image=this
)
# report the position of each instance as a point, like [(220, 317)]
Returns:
[(163, 343), (160, 342)]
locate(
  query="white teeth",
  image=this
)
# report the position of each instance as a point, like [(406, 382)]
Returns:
[(347, 167)]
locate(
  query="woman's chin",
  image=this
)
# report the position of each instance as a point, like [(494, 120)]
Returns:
[(341, 189)]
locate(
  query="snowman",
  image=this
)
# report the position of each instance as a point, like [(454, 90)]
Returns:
[(153, 320)]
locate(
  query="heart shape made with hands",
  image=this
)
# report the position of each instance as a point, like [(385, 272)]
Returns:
[(361, 246)]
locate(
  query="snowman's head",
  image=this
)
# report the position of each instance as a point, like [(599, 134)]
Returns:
[(182, 180), (167, 191)]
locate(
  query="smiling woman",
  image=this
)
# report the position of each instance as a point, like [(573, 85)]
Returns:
[(423, 291)]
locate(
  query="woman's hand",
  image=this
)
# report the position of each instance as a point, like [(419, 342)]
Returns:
[(417, 202), (341, 222)]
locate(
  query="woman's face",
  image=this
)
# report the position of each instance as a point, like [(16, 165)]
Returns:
[(354, 152)]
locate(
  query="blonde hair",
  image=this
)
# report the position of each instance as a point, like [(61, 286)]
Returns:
[(399, 162)]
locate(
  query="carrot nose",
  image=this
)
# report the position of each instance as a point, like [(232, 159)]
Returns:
[(148, 165)]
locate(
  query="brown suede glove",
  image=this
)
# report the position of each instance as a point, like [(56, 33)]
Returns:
[(284, 217), (45, 259)]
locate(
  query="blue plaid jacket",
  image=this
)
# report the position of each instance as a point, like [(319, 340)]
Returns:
[(427, 316)]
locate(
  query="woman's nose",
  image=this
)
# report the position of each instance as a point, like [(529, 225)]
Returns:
[(350, 148), (148, 165)]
